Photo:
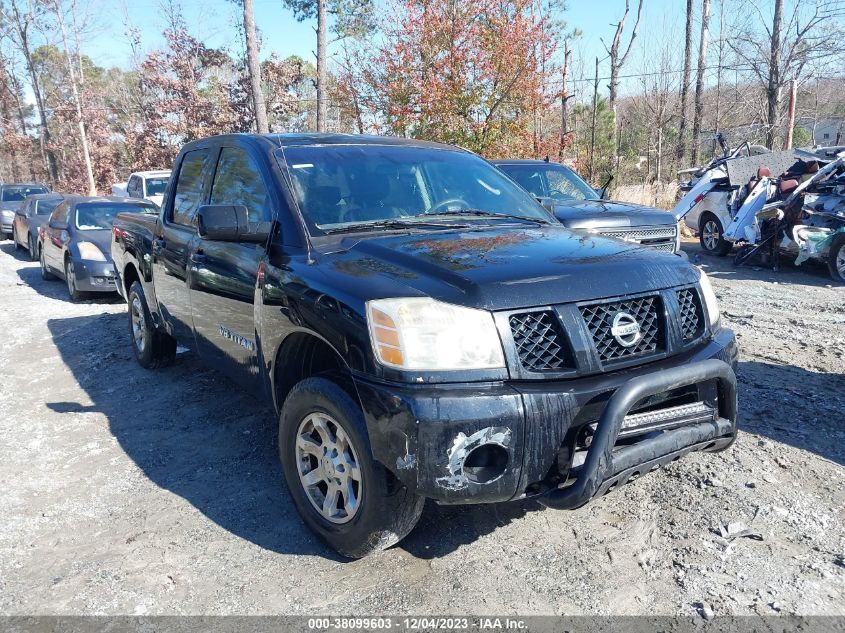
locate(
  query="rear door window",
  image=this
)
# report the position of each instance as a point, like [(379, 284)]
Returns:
[(191, 186), (238, 182)]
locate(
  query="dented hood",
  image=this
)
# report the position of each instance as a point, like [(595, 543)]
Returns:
[(589, 214), (501, 268)]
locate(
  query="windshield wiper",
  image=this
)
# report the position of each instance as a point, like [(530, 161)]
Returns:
[(391, 224), (492, 214)]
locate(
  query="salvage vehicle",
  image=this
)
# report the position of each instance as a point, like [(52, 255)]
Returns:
[(147, 185), (714, 192), (580, 207), (423, 327), (30, 217), (11, 197), (74, 243)]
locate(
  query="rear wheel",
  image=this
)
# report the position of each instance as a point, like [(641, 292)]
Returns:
[(70, 279), (836, 259), (346, 497), (45, 272), (153, 348), (712, 236)]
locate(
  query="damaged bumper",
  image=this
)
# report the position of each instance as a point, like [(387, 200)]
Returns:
[(491, 442)]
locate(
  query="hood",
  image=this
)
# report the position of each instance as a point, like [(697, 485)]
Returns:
[(499, 269), (589, 214), (100, 237)]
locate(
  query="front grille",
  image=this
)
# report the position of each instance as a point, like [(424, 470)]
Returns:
[(692, 316), (661, 238), (644, 310), (540, 343)]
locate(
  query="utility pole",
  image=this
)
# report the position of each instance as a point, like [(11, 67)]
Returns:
[(564, 98), (322, 106)]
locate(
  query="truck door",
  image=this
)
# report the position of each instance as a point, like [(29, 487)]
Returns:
[(224, 274), (172, 241)]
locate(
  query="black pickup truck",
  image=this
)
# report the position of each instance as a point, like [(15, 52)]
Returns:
[(423, 327)]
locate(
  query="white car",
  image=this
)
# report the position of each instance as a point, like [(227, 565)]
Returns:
[(149, 185)]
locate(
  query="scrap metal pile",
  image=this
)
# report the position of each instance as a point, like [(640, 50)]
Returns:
[(770, 204)]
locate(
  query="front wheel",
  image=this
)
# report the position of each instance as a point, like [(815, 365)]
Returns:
[(153, 348), (836, 259), (30, 245), (347, 498), (712, 236), (70, 279)]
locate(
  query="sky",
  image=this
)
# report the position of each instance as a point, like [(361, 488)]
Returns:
[(214, 21)]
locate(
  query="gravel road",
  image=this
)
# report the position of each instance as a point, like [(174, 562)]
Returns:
[(126, 491)]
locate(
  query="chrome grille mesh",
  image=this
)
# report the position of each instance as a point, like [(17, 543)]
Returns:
[(644, 310)]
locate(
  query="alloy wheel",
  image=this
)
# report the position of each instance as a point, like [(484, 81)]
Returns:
[(840, 261), (69, 277), (711, 235), (139, 324), (328, 468)]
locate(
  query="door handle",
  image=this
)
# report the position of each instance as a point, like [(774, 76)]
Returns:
[(158, 244), (197, 257)]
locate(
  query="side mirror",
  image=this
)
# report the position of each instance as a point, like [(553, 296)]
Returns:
[(229, 223), (602, 191), (548, 203)]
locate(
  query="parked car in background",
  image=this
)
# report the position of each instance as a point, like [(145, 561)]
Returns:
[(578, 206), (11, 197), (424, 328), (31, 216), (75, 242), (148, 185)]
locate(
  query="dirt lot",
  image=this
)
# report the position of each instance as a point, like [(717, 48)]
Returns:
[(133, 492)]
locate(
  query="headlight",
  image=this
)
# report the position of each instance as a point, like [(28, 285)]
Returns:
[(710, 300), (91, 252), (424, 334)]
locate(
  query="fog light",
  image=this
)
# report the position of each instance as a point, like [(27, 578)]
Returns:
[(486, 463)]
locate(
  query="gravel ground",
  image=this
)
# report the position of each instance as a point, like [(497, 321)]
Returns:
[(134, 492)]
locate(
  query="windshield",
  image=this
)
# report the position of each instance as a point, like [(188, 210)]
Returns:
[(45, 207), (95, 216), (155, 186), (550, 181), (342, 186), (17, 194)]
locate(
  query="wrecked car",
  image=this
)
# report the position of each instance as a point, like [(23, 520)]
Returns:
[(424, 328), (579, 207)]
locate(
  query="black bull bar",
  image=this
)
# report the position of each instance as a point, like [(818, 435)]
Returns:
[(603, 468)]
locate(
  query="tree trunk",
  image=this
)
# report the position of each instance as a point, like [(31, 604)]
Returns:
[(13, 154), (699, 81), (254, 66), (682, 130), (322, 106), (564, 98), (83, 137), (773, 88), (593, 126)]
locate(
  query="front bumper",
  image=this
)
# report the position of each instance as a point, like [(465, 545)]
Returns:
[(425, 433), (94, 276)]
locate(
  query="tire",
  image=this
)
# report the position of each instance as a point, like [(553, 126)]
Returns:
[(386, 511), (46, 275), (33, 251), (836, 259), (152, 347), (711, 236), (70, 279), (745, 253)]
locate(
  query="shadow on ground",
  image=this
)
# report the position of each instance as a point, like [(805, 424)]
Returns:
[(794, 406)]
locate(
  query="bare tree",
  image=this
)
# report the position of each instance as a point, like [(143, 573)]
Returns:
[(83, 137), (22, 19), (617, 57), (682, 130), (699, 81), (259, 108), (788, 46)]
